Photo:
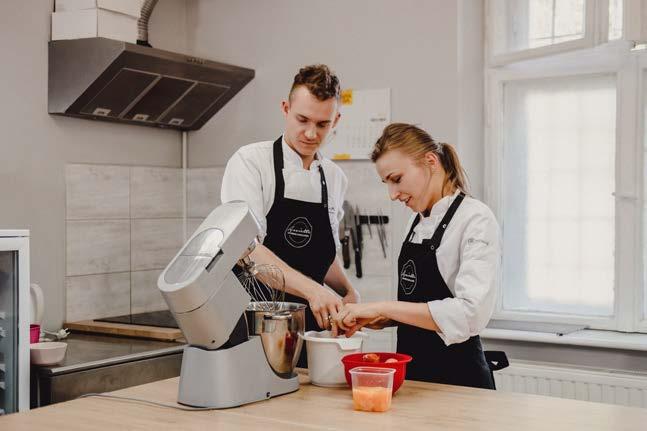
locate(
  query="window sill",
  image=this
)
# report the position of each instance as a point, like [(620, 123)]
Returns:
[(585, 337)]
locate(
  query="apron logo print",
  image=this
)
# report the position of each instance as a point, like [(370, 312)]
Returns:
[(408, 277), (299, 232)]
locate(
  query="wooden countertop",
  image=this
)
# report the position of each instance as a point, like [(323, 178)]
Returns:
[(416, 406)]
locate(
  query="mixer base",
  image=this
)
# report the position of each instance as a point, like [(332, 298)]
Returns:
[(230, 377)]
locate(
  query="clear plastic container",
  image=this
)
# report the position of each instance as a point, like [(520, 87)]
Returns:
[(372, 388)]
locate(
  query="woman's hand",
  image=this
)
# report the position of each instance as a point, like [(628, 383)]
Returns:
[(352, 317)]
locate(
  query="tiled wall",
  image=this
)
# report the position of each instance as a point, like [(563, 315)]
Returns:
[(203, 194), (124, 224)]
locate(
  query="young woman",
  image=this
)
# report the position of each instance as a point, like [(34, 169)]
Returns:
[(447, 267)]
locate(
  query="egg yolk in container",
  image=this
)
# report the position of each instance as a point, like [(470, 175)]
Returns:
[(371, 398)]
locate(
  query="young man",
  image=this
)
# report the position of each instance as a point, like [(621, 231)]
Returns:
[(297, 196)]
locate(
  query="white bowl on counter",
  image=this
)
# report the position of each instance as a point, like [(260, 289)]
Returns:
[(47, 353), (324, 356)]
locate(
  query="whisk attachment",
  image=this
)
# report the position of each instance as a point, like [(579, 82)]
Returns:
[(264, 283)]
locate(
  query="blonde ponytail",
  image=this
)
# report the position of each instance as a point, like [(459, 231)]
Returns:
[(415, 142)]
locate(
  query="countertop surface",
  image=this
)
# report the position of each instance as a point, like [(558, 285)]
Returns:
[(416, 406), (85, 351)]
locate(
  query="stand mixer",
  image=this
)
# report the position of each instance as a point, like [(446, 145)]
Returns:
[(227, 362)]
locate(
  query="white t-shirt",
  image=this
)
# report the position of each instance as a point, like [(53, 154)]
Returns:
[(249, 176), (469, 259)]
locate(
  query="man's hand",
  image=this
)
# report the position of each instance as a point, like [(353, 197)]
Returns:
[(324, 305), (379, 323)]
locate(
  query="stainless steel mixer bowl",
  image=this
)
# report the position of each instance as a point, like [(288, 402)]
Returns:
[(279, 331)]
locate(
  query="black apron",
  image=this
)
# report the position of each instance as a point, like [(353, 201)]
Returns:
[(300, 234), (420, 280)]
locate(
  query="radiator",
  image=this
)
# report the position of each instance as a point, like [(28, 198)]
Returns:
[(587, 384)]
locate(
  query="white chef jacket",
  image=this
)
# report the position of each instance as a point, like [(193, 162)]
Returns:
[(249, 176), (469, 260)]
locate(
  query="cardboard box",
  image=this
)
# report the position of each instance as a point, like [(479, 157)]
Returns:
[(85, 23), (128, 7)]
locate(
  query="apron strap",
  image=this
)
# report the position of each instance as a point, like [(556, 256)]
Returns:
[(440, 230), (438, 234), (324, 188), (279, 190), (413, 225), (279, 187)]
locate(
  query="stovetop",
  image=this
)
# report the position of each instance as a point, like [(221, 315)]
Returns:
[(163, 319)]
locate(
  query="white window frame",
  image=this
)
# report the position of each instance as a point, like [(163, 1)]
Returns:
[(641, 138), (614, 58), (596, 24)]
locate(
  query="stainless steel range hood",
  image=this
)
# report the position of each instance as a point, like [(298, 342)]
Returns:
[(111, 80)]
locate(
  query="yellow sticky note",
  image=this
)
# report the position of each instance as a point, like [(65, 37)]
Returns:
[(347, 97), (341, 156)]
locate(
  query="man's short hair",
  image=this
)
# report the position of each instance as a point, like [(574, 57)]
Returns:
[(319, 80)]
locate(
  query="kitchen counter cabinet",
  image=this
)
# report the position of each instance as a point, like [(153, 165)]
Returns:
[(416, 406), (101, 363)]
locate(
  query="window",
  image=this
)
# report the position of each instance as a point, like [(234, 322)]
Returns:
[(529, 28), (523, 29), (531, 24), (566, 160), (559, 235)]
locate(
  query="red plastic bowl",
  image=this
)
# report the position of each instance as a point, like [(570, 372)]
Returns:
[(355, 360)]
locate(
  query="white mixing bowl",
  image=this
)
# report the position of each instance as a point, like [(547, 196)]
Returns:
[(324, 356)]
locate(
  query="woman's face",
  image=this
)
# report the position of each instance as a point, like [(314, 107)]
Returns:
[(409, 180)]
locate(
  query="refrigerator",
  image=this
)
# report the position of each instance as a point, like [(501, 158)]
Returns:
[(14, 321)]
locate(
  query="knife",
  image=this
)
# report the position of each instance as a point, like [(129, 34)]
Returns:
[(381, 233), (344, 239), (370, 231), (358, 229), (358, 253)]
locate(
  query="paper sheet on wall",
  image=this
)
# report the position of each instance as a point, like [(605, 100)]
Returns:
[(364, 114)]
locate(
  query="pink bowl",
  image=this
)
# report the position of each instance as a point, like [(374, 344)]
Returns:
[(34, 333)]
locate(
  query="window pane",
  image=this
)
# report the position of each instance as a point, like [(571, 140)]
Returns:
[(558, 207), (524, 24), (615, 19)]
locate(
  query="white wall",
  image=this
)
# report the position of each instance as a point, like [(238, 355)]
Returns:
[(34, 146), (408, 45)]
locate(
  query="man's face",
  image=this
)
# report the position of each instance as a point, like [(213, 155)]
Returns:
[(308, 121)]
